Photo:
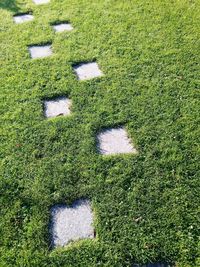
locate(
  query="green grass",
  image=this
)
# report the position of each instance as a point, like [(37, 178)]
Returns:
[(149, 53)]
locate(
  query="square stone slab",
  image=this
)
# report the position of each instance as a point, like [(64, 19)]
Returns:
[(59, 106), (115, 141), (71, 223), (40, 2), (63, 27), (22, 18), (87, 71), (40, 51)]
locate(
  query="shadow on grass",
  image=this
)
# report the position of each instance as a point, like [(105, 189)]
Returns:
[(9, 5)]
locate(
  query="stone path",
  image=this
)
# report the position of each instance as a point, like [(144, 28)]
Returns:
[(62, 27), (71, 223), (59, 106), (115, 141), (87, 71), (40, 51), (40, 2), (23, 18)]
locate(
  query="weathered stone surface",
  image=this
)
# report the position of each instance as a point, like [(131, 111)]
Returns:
[(40, 2), (63, 27), (23, 18), (71, 223), (40, 51), (59, 106), (87, 71), (115, 141)]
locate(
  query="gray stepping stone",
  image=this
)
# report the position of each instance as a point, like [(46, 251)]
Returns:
[(59, 106), (71, 223), (87, 71), (115, 141), (22, 18), (41, 2), (40, 51), (63, 27)]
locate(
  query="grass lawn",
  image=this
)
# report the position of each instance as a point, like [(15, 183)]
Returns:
[(145, 204)]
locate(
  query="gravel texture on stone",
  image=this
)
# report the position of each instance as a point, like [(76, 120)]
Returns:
[(23, 18), (71, 223), (115, 141), (40, 51), (87, 71), (63, 27), (59, 106)]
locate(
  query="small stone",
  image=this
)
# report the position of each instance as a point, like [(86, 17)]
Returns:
[(63, 27), (87, 71), (138, 219), (23, 18), (115, 141), (71, 223), (59, 106), (40, 51), (41, 2)]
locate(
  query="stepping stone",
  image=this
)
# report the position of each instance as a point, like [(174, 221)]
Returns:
[(152, 265), (71, 223), (40, 2), (59, 106), (115, 141), (22, 18), (40, 51), (87, 71), (63, 27)]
